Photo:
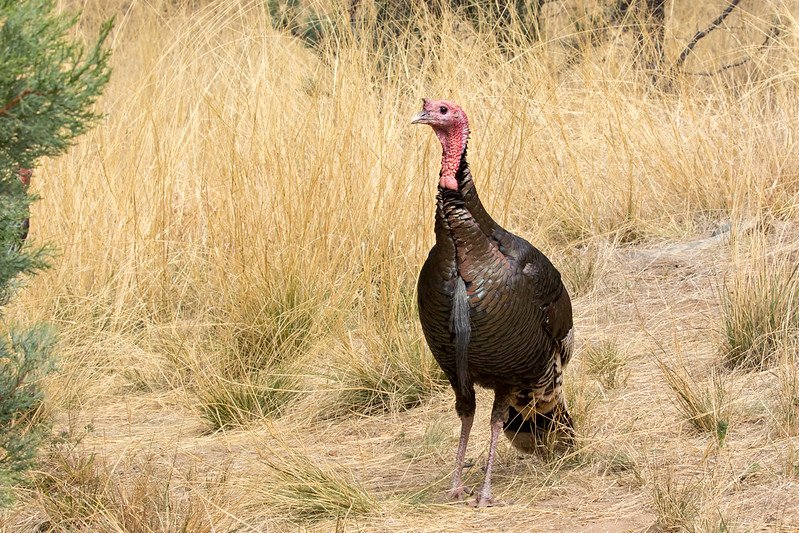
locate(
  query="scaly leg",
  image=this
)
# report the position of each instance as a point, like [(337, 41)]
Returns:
[(499, 414), (458, 491)]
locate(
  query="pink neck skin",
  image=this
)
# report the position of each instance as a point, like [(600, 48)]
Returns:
[(453, 142)]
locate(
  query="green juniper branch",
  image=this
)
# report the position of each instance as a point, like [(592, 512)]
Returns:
[(49, 83)]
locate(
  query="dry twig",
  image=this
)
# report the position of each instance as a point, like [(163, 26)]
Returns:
[(701, 34)]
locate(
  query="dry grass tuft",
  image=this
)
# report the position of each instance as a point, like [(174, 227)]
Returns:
[(235, 396), (581, 267), (606, 362), (258, 354), (760, 308), (790, 460), (786, 409), (307, 490), (582, 397), (436, 434), (385, 365), (686, 504), (677, 503), (706, 406), (77, 490), (620, 462), (385, 381)]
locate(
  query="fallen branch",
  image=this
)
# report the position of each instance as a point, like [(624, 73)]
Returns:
[(773, 34), (686, 250), (701, 34)]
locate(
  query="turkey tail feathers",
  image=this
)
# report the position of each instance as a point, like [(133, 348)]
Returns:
[(536, 432), (462, 328)]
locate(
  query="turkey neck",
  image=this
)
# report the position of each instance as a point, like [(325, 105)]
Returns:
[(451, 202), (466, 235)]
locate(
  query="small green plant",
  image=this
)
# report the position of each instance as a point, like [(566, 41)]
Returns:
[(606, 363), (283, 14), (706, 406), (25, 357)]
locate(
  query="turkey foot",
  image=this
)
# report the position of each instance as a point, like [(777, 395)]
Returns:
[(485, 501), (459, 493)]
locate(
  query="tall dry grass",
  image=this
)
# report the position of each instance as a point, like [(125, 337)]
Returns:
[(242, 233), (761, 304), (245, 188)]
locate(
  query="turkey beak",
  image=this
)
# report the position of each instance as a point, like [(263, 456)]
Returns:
[(420, 118)]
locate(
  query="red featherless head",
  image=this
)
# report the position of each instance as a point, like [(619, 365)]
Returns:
[(442, 115), (451, 126)]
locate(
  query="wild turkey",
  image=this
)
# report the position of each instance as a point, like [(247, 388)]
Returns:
[(493, 310)]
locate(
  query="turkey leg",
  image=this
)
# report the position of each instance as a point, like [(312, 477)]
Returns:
[(499, 415), (458, 491)]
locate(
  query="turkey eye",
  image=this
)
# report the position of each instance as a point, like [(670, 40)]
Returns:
[(443, 110)]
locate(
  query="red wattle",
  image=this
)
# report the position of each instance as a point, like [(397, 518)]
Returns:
[(452, 143), (448, 182)]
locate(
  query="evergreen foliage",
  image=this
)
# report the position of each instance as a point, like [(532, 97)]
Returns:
[(48, 84)]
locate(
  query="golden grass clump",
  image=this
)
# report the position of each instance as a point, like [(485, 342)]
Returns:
[(606, 362), (581, 267), (760, 307), (236, 396), (309, 491), (786, 405), (387, 381), (79, 490), (257, 369), (706, 406), (686, 504), (383, 364)]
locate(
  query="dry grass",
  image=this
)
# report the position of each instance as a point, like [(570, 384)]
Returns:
[(760, 307), (606, 362), (786, 408), (384, 364), (706, 406), (81, 491), (687, 505), (239, 242), (308, 491)]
